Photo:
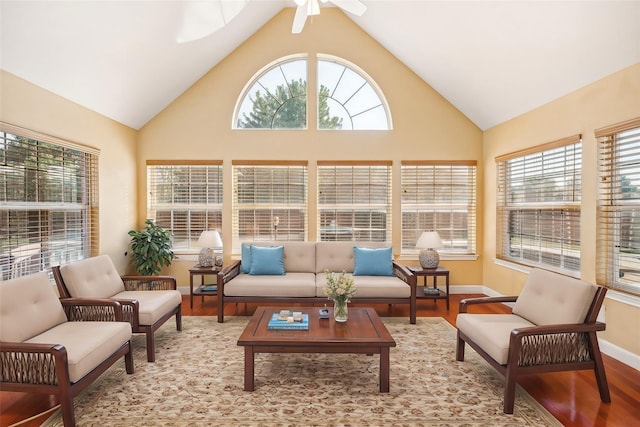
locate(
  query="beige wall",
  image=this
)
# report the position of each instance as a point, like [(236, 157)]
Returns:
[(611, 100), (198, 124), (26, 105)]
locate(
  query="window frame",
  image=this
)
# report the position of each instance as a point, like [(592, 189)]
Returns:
[(535, 207)]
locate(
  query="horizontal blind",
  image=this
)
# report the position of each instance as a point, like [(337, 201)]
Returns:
[(538, 205), (439, 196), (618, 243), (269, 201), (186, 198), (48, 202), (354, 201)]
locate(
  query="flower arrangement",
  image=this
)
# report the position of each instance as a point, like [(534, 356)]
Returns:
[(339, 288)]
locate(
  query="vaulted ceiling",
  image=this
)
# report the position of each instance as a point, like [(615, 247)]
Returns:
[(493, 60)]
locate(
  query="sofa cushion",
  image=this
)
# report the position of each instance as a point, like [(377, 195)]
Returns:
[(372, 261), (491, 331), (94, 277), (370, 286), (550, 298), (266, 260), (289, 285), (298, 257), (152, 304), (338, 256), (29, 306), (87, 343)]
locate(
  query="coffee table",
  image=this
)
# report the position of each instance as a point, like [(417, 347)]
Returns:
[(363, 333)]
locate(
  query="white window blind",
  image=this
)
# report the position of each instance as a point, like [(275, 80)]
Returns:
[(186, 198), (48, 201), (538, 206), (269, 201), (439, 196), (618, 243), (354, 201)]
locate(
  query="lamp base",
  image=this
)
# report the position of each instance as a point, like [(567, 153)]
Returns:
[(429, 258), (205, 258)]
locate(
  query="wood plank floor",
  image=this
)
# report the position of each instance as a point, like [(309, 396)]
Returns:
[(572, 397)]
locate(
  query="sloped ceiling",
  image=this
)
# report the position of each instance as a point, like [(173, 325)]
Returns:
[(493, 60)]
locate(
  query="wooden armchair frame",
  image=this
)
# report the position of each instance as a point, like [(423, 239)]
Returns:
[(44, 368), (131, 308), (545, 348)]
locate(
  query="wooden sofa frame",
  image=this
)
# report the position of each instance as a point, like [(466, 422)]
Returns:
[(23, 364), (231, 271), (526, 358)]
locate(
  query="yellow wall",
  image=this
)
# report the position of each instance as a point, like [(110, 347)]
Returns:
[(613, 99), (29, 106), (198, 124)]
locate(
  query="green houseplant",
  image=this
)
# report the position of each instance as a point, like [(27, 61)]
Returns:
[(151, 249)]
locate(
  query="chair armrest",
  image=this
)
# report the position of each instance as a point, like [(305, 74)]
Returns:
[(557, 329), (465, 303), (85, 309), (404, 273), (23, 363), (149, 283)]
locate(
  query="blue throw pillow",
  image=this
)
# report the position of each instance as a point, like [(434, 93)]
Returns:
[(267, 260), (373, 261), (245, 263)]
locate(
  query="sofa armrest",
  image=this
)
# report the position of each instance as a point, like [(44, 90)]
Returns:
[(22, 363), (404, 273), (102, 310), (465, 303), (227, 273), (149, 283)]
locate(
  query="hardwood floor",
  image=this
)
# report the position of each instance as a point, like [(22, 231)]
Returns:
[(572, 397)]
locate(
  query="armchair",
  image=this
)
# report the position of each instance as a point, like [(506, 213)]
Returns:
[(148, 301), (552, 327), (57, 347)]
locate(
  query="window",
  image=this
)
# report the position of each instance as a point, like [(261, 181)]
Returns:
[(186, 198), (354, 201), (538, 217), (618, 243), (348, 99), (269, 201), (48, 202), (276, 98), (439, 196)]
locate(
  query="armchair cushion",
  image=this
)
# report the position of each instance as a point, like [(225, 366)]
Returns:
[(153, 304), (550, 298), (88, 344), (27, 311), (94, 277)]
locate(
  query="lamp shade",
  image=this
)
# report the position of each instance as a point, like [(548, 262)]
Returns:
[(210, 239), (429, 240)]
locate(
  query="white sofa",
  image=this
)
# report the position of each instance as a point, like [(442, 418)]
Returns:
[(304, 277)]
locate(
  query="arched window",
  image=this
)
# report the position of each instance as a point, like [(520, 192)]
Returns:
[(349, 97), (276, 98)]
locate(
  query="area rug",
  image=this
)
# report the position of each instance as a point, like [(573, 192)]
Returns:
[(197, 380)]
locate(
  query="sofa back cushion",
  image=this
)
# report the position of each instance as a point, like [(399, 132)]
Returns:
[(338, 256), (94, 277), (297, 257), (28, 306), (550, 298)]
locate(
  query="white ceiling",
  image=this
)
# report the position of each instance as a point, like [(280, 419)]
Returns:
[(493, 60)]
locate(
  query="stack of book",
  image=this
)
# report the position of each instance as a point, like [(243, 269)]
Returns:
[(431, 291), (286, 320)]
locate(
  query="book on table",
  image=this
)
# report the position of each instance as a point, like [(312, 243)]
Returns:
[(209, 288), (288, 323)]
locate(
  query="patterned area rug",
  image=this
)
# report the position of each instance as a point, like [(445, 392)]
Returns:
[(197, 380)]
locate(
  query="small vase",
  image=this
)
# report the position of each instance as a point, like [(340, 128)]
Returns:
[(340, 311)]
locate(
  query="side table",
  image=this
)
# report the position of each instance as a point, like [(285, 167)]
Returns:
[(202, 290), (435, 273)]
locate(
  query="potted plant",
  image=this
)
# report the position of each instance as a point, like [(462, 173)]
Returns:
[(151, 249)]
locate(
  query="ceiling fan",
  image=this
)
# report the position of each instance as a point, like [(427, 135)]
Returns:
[(312, 7), (204, 17)]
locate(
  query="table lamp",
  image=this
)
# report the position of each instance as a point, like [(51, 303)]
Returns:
[(211, 243), (428, 241)]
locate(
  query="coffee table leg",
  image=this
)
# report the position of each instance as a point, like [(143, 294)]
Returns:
[(248, 368), (384, 370)]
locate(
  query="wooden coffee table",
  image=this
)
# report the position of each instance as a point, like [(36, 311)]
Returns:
[(364, 332)]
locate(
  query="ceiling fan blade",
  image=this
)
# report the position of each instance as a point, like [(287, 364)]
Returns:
[(299, 19), (204, 17), (355, 7)]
